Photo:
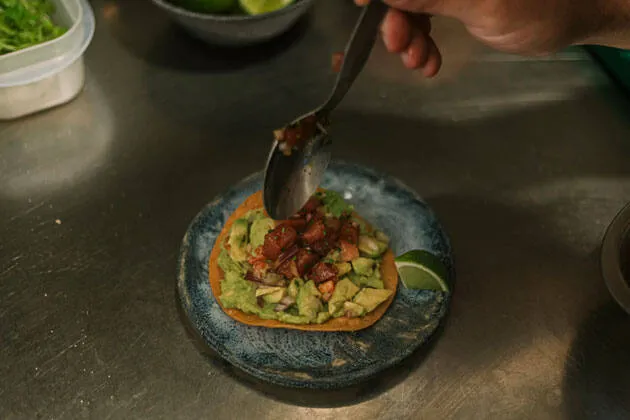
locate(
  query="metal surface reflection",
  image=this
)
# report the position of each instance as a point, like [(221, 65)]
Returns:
[(56, 149), (525, 162)]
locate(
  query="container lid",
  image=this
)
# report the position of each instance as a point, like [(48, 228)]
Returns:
[(44, 60)]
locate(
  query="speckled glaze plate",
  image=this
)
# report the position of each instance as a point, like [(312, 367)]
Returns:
[(321, 360)]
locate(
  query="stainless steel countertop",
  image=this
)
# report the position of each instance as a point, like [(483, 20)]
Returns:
[(524, 160)]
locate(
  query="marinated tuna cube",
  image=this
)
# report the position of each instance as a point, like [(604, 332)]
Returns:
[(278, 240), (349, 252), (349, 232), (315, 232), (288, 269), (305, 259), (322, 247), (333, 225), (311, 205), (323, 272), (299, 224)]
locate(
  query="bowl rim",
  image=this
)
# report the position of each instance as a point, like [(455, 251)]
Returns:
[(228, 18), (610, 260)]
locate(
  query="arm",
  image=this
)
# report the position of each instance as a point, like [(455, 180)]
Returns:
[(527, 27)]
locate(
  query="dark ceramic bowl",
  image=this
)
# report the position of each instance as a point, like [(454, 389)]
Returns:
[(615, 258), (237, 30)]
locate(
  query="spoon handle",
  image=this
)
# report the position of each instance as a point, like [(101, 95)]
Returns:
[(356, 54)]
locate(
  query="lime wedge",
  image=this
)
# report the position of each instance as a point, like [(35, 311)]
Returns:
[(257, 7), (422, 270)]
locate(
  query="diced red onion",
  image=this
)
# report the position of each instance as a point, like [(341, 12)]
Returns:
[(293, 249), (287, 300), (251, 277), (280, 307), (272, 279)]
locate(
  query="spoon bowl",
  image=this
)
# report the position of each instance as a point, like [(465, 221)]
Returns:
[(292, 176), (291, 180)]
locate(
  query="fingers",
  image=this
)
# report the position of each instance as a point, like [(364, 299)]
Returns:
[(422, 54), (409, 36), (434, 62), (397, 31)]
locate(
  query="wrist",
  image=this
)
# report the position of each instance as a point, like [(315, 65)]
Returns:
[(611, 25)]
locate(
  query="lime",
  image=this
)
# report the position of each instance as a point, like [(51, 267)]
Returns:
[(257, 7), (419, 269), (207, 6)]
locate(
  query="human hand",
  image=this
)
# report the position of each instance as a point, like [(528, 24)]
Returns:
[(528, 27)]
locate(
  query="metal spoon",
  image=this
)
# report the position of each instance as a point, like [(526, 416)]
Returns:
[(291, 180)]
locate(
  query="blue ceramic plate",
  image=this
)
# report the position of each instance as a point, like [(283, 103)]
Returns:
[(311, 359)]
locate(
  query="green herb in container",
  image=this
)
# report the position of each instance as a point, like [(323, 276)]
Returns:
[(25, 23)]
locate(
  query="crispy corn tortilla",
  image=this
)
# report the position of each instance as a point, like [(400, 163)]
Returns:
[(388, 273)]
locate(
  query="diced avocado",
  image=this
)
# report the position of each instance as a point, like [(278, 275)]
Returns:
[(335, 204), (266, 290), (363, 266), (276, 296), (254, 215), (338, 311), (293, 319), (322, 317), (308, 300), (380, 236), (236, 292), (238, 240), (371, 298), (374, 282), (377, 270), (353, 310), (260, 227), (249, 308), (345, 290), (227, 264), (268, 312), (335, 309), (310, 288), (271, 294), (294, 287), (363, 227), (343, 268), (367, 281), (274, 279), (355, 278), (370, 247)]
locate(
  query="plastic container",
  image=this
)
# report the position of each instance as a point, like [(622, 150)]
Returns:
[(48, 74)]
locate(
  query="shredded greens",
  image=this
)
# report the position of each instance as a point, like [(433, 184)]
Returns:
[(24, 23)]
